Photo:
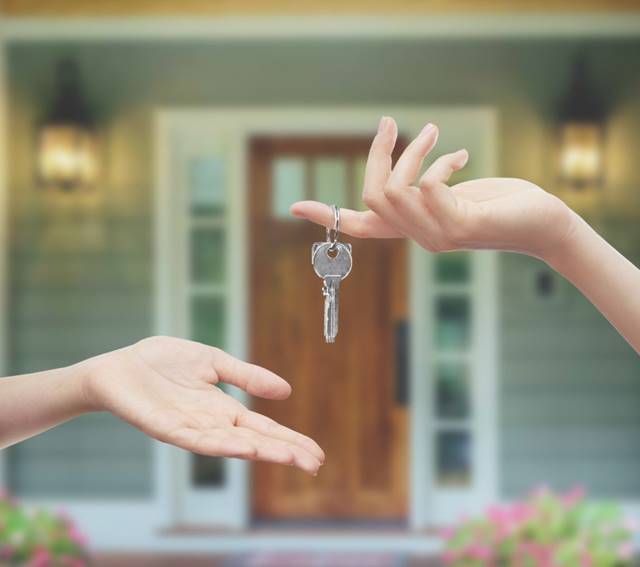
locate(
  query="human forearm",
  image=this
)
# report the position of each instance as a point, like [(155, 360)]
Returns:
[(604, 276), (33, 403), (167, 388)]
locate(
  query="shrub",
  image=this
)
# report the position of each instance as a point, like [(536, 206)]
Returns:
[(545, 530), (37, 538)]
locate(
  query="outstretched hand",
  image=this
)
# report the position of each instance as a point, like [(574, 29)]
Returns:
[(492, 213), (167, 388)]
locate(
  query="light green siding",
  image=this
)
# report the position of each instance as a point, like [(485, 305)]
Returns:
[(81, 275), (95, 456), (78, 292), (570, 391)]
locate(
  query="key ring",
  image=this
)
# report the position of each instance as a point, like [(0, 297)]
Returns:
[(332, 233)]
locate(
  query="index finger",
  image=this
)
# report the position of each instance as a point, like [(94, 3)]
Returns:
[(251, 378), (361, 224)]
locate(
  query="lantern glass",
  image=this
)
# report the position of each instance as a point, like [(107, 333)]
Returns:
[(581, 154), (67, 156)]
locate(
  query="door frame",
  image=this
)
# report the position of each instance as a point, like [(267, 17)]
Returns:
[(229, 131)]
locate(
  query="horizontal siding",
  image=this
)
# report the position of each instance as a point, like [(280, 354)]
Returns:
[(617, 478), (589, 441), (92, 456), (88, 271), (599, 406), (570, 391), (73, 297)]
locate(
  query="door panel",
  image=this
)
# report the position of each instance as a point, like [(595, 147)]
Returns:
[(344, 393)]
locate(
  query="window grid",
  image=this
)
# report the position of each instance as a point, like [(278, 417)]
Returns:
[(207, 288), (325, 178), (453, 435)]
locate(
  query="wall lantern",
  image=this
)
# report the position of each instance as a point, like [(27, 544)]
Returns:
[(67, 143), (581, 133)]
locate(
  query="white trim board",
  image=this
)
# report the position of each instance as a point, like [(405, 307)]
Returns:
[(176, 146), (519, 26)]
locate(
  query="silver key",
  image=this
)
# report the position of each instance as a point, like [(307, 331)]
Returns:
[(332, 266), (332, 261)]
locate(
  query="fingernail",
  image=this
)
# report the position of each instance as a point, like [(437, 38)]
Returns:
[(383, 124), (428, 128), (464, 156)]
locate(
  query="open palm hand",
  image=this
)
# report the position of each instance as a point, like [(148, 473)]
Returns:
[(166, 387)]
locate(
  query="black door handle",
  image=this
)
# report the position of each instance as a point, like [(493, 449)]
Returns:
[(402, 338)]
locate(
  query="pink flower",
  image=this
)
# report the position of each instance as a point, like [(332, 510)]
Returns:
[(542, 554), (42, 558), (447, 533), (625, 551), (449, 557), (64, 516), (6, 551), (479, 552), (586, 560), (77, 537), (573, 497), (541, 491), (497, 515), (631, 524), (521, 513)]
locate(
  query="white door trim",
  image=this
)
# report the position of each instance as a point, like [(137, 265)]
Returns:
[(177, 142), (428, 26), (442, 506), (232, 128)]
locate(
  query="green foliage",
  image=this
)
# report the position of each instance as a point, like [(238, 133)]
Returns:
[(546, 530), (38, 538)]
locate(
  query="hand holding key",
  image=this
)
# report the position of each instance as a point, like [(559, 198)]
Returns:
[(332, 261), (506, 214)]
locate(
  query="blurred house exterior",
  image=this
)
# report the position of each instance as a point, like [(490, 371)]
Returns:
[(457, 380)]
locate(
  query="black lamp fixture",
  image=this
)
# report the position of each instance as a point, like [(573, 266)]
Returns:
[(67, 142), (581, 133)]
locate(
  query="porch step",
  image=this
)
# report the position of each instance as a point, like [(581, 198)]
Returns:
[(264, 560)]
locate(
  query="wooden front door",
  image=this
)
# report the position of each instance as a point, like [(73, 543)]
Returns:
[(350, 395)]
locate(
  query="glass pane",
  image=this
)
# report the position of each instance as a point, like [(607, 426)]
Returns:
[(330, 181), (207, 472), (207, 186), (453, 267), (358, 182), (207, 255), (208, 320), (452, 391), (288, 183), (453, 458), (453, 319)]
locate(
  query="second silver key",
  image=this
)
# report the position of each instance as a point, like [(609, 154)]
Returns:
[(332, 262)]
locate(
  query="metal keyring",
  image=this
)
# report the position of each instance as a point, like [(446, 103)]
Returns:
[(332, 233)]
